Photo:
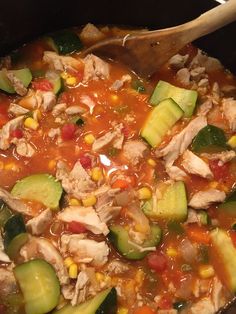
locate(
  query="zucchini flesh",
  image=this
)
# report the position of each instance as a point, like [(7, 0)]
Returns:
[(24, 75), (160, 120), (39, 284), (172, 206), (39, 187), (185, 98), (5, 213), (209, 139), (64, 42), (229, 205), (226, 252), (104, 302), (119, 237)]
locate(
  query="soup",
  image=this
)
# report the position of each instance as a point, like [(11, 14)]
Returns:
[(117, 192)]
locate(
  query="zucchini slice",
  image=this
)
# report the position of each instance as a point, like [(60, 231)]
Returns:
[(160, 120), (185, 98), (5, 213), (24, 75), (226, 252), (39, 284), (229, 205), (210, 139), (104, 302), (119, 237), (39, 187)]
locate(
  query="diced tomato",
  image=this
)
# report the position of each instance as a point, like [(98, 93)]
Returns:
[(157, 261), (219, 171), (144, 310), (85, 161), (18, 133), (126, 131), (165, 303), (42, 84), (68, 131), (233, 237), (76, 227), (121, 184), (198, 234)]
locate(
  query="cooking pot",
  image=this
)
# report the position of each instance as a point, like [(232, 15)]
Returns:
[(22, 21)]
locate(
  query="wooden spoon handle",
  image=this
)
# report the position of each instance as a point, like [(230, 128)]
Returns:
[(213, 19)]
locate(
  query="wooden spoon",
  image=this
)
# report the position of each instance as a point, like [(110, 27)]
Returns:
[(146, 51)]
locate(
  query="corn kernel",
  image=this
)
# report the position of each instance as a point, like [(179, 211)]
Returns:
[(122, 310), (89, 201), (206, 271), (30, 123), (140, 228), (11, 166), (144, 193), (71, 80), (114, 98), (74, 202), (171, 252), (73, 271), (213, 184), (37, 115), (232, 141), (96, 174), (64, 75), (99, 276), (89, 139), (151, 162), (52, 164), (68, 262)]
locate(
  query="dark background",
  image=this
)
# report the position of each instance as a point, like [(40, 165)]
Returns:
[(23, 20)]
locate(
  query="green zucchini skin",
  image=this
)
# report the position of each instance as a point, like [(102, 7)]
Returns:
[(5, 213), (13, 227), (119, 237), (185, 98), (104, 302), (229, 205), (65, 41), (210, 139), (24, 75)]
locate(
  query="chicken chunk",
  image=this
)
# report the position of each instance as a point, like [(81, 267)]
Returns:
[(115, 137), (175, 173), (43, 248), (205, 108), (23, 148), (95, 68), (223, 157), (116, 267), (5, 132), (204, 306), (229, 110), (183, 76), (203, 199), (40, 223), (17, 110), (85, 250), (81, 288), (118, 84), (7, 282), (134, 151), (181, 141), (16, 83), (58, 109), (195, 165), (210, 64), (14, 203), (178, 61), (61, 63), (87, 216)]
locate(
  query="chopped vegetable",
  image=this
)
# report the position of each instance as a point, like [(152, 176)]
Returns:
[(89, 201), (206, 271), (76, 227), (89, 139), (24, 75), (68, 131), (144, 310), (198, 234), (65, 42)]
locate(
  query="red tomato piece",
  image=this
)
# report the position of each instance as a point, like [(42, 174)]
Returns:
[(17, 133), (42, 84), (219, 171), (165, 303), (85, 161), (157, 261), (121, 184), (76, 227), (144, 310), (68, 131)]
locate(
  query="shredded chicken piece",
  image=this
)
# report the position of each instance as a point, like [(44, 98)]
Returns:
[(223, 157), (134, 151), (44, 100), (95, 68), (14, 203), (204, 306), (118, 84), (115, 136), (229, 110), (54, 132), (16, 83), (205, 108), (74, 110), (86, 216), (81, 288), (8, 284), (17, 110), (181, 141), (61, 63), (195, 165), (58, 109), (41, 247), (40, 223), (116, 267), (90, 34), (175, 173), (183, 76), (178, 61), (5, 132), (210, 64), (23, 148), (203, 199)]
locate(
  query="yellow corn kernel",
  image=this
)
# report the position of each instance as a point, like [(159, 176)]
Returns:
[(30, 123), (71, 80), (144, 193), (64, 75), (206, 271), (52, 164), (68, 262), (89, 139), (213, 184), (96, 174), (122, 310), (232, 141), (139, 277), (99, 276), (73, 271), (74, 202), (151, 162), (114, 98), (89, 201), (37, 115), (11, 166), (140, 228), (171, 252)]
